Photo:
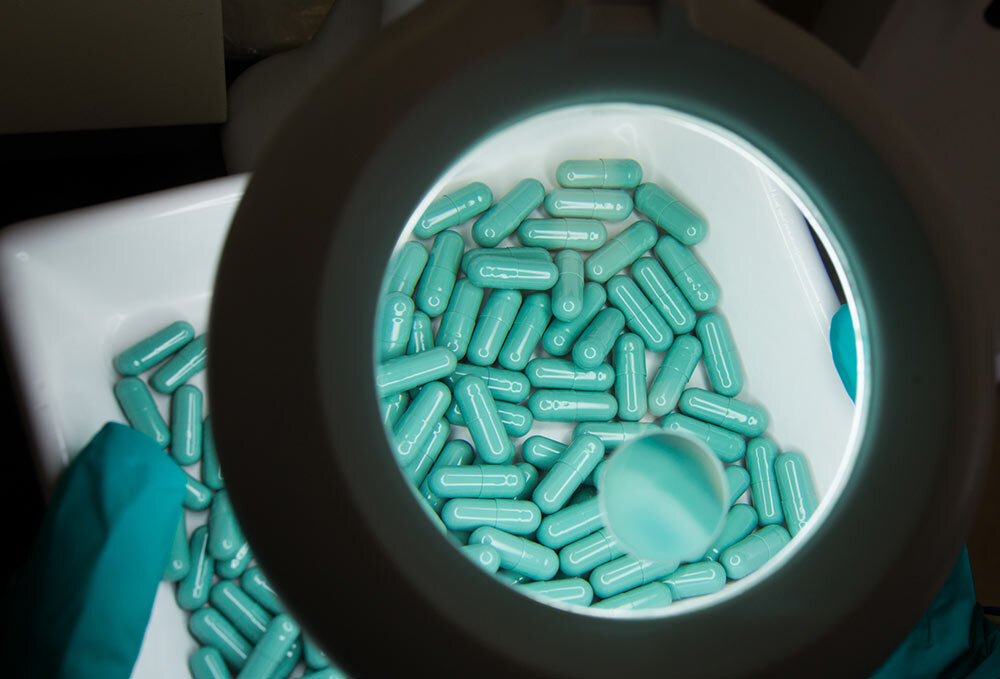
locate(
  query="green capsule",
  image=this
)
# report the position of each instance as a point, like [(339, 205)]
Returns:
[(795, 487), (288, 661), (503, 218), (511, 273), (511, 578), (566, 475), (224, 534), (737, 480), (531, 479), (559, 234), (455, 452), (453, 208), (740, 520), (753, 551), (140, 410), (186, 363), (395, 321), (698, 286), (233, 568), (405, 268), (192, 591), (627, 572), (588, 553), (566, 405), (477, 481), (640, 316), (417, 424), (560, 335), (610, 205), (270, 651), (247, 616), (516, 420), (727, 445), (666, 297), (722, 363), (541, 452), (418, 469), (185, 425), (761, 454), (630, 377), (652, 595), (674, 373), (558, 373), (459, 319), (504, 385), (614, 434), (570, 524), (518, 554), (584, 492), (567, 296), (567, 590), (197, 495), (143, 355), (408, 372), (620, 251), (421, 333), (517, 517), (481, 417), (596, 477), (601, 173), (483, 556), (208, 663), (313, 656), (738, 416), (696, 579), (211, 472), (526, 332), (179, 561), (209, 627), (494, 323), (393, 407), (438, 277), (255, 583), (670, 214), (596, 341), (537, 254)]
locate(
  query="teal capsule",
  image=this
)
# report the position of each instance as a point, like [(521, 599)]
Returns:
[(211, 472), (208, 663), (541, 452), (140, 410), (737, 480), (255, 583), (146, 353), (526, 332), (567, 590), (560, 335), (395, 321), (652, 595), (313, 656), (696, 579), (558, 373), (454, 453), (246, 615), (185, 425), (224, 534), (182, 366), (577, 461), (421, 333), (326, 673), (408, 372), (740, 520), (693, 279), (517, 517), (722, 363), (559, 234), (438, 277), (531, 479), (511, 273), (504, 385), (405, 268), (610, 205), (566, 405), (483, 556), (288, 661), (570, 524), (753, 551), (417, 424), (601, 173), (625, 573), (393, 407), (596, 477), (511, 578), (495, 321), (727, 412), (192, 590), (761, 454), (584, 493), (674, 374), (795, 487), (666, 297), (503, 218), (597, 340), (197, 495), (270, 651), (209, 627), (727, 445), (567, 295), (481, 417), (516, 420), (477, 481), (537, 254), (630, 377), (453, 208), (620, 251), (670, 214), (640, 316), (418, 469), (588, 553), (614, 434), (518, 554), (179, 561), (459, 320), (233, 568)]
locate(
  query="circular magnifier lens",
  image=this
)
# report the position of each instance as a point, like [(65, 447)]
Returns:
[(591, 276)]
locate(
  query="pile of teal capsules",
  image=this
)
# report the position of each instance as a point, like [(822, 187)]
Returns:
[(556, 308), (235, 613)]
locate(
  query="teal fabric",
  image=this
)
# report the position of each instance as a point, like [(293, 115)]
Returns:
[(79, 607)]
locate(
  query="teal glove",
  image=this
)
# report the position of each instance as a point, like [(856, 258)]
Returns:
[(79, 607)]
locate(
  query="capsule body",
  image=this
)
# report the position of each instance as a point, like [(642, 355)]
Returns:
[(568, 590), (140, 410), (185, 425), (517, 517), (597, 340), (182, 366), (562, 233), (179, 561), (737, 481), (209, 627), (459, 319), (494, 323), (691, 276), (652, 595), (405, 268), (502, 219), (421, 333), (727, 412), (246, 615), (560, 335), (761, 454), (630, 377), (483, 556), (541, 452), (664, 294), (504, 385), (518, 554), (438, 278), (625, 573), (394, 324), (425, 458), (670, 214), (477, 481), (208, 663), (526, 333), (753, 551), (740, 520), (620, 251), (537, 254), (567, 296), (570, 524), (454, 453), (516, 420), (511, 273), (696, 579), (589, 552), (531, 478), (224, 534), (393, 407), (565, 405), (211, 472), (558, 373), (146, 353), (271, 650), (566, 475), (601, 173), (197, 495), (418, 422), (614, 434), (453, 208), (795, 487), (640, 316), (722, 363), (610, 205), (256, 585), (727, 445), (674, 374), (233, 568), (192, 591), (411, 371), (480, 412)]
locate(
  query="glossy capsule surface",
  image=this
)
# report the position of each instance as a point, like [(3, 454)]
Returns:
[(537, 254), (625, 573), (393, 407), (620, 251), (567, 295), (425, 458), (313, 656), (740, 520), (394, 324), (504, 385), (246, 615), (418, 422), (518, 554), (233, 568), (589, 552), (453, 208), (610, 205), (541, 452), (481, 417), (727, 412), (531, 478), (270, 651), (208, 663), (224, 534), (146, 353), (795, 487), (477, 481), (727, 445), (459, 319), (652, 595), (516, 420), (186, 425), (483, 556), (566, 590), (674, 374), (197, 495), (630, 377), (566, 405), (614, 434), (640, 315), (503, 218), (664, 294), (211, 628), (570, 524), (511, 273), (696, 579), (192, 590), (600, 173), (255, 583), (761, 454), (182, 366), (722, 363), (526, 332), (517, 517), (492, 326), (562, 233), (737, 481), (573, 466), (411, 371), (421, 333), (596, 341), (140, 410), (179, 560), (691, 276), (438, 278), (405, 268), (558, 373), (455, 452), (670, 214), (753, 551), (560, 335), (211, 472)]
